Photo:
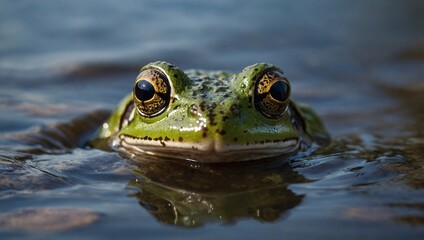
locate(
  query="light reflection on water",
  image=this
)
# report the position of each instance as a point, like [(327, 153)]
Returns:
[(358, 64)]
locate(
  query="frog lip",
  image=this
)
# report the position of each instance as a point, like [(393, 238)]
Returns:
[(207, 151)]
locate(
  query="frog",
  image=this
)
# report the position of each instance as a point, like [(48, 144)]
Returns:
[(212, 116)]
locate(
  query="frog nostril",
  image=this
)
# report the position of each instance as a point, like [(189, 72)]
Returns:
[(193, 110)]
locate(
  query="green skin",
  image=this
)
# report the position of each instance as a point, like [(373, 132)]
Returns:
[(211, 117)]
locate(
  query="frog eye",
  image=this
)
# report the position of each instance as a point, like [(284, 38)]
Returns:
[(151, 92), (272, 92)]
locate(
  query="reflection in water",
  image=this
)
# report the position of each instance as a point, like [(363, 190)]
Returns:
[(192, 194)]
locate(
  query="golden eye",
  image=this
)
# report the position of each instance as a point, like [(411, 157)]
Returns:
[(272, 92), (151, 92)]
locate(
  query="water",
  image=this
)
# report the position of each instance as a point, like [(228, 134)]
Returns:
[(64, 66)]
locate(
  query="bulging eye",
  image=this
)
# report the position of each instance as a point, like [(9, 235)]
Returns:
[(272, 92), (151, 92)]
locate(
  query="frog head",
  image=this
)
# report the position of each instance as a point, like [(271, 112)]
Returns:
[(211, 116)]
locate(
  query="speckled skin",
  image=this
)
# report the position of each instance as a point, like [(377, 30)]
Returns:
[(212, 117)]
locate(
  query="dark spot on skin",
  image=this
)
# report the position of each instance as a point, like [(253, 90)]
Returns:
[(203, 106), (221, 89), (146, 137), (155, 139), (163, 144), (235, 110), (235, 139), (250, 102), (256, 69), (245, 131), (180, 139), (247, 143), (211, 117), (176, 107), (221, 132), (149, 138), (205, 132), (175, 75), (167, 138), (160, 138)]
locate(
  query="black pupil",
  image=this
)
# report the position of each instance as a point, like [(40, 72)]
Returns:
[(280, 91), (144, 90)]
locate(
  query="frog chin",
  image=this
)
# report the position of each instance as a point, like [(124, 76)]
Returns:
[(207, 151)]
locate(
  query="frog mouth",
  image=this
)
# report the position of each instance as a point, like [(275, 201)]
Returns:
[(207, 151)]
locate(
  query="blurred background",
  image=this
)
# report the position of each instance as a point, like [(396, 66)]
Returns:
[(338, 35)]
